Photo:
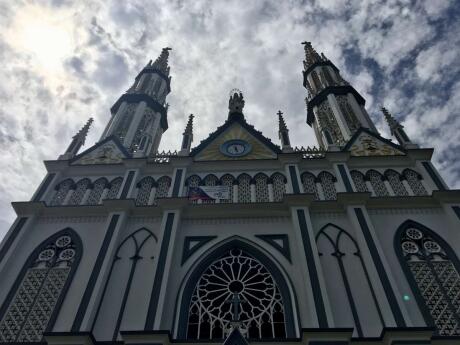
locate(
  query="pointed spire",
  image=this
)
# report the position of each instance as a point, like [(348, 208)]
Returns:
[(392, 122), (161, 63), (281, 122), (235, 103), (78, 140), (189, 126), (283, 133), (311, 55), (82, 133)]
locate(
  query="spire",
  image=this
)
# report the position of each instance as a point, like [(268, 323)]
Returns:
[(235, 103), (397, 130), (187, 137), (311, 55), (392, 122), (78, 140), (283, 133), (161, 63)]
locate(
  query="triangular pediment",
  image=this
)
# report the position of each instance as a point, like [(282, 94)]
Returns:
[(236, 131), (367, 143), (108, 151)]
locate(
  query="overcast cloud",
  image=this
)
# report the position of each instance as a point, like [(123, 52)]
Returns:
[(64, 61)]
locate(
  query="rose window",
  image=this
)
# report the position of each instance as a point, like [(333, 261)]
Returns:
[(236, 288)]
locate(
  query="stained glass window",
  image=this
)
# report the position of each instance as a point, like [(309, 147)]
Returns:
[(41, 285)]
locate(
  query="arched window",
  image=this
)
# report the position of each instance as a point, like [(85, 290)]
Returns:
[(279, 186), (309, 184), (395, 183), (316, 82), (114, 188), (358, 180), (95, 195), (376, 180), (32, 305), (125, 286), (192, 182), (346, 275), (261, 187), (210, 180), (144, 188), (79, 192), (327, 182), (163, 187), (61, 192), (413, 179), (228, 180), (236, 285), (432, 270), (244, 188)]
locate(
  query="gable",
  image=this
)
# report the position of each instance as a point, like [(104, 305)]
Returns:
[(260, 147), (108, 151), (366, 143)]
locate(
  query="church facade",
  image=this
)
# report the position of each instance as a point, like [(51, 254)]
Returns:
[(236, 239)]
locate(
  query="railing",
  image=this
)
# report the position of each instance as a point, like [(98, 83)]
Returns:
[(310, 152)]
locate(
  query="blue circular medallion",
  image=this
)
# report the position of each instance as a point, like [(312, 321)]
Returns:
[(235, 148)]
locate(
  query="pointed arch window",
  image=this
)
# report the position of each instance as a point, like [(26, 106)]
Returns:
[(114, 188), (244, 188), (327, 182), (414, 181), (279, 186), (144, 189), (432, 269), (61, 192), (358, 180), (236, 276), (309, 184), (228, 180), (261, 181), (33, 303), (95, 195), (395, 183), (376, 180), (79, 192)]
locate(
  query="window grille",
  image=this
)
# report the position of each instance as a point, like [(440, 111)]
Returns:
[(359, 182), (414, 182), (309, 184), (61, 192), (95, 195), (144, 189), (79, 192), (227, 180), (436, 277), (41, 285), (193, 181), (210, 180), (236, 278), (327, 182), (163, 187), (395, 183), (261, 188), (244, 188), (377, 183), (114, 188), (279, 186)]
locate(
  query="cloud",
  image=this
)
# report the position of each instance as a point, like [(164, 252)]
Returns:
[(64, 61)]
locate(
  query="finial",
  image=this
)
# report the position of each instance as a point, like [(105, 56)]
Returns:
[(392, 122), (83, 132), (281, 122), (189, 126), (311, 56), (236, 102), (161, 63)]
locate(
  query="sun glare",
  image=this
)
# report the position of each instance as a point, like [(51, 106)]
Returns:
[(45, 34)]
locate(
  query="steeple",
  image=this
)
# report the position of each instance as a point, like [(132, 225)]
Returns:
[(335, 109), (187, 136), (78, 140), (139, 117), (283, 133), (235, 104), (397, 130)]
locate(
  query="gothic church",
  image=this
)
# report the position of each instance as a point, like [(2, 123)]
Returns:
[(237, 239)]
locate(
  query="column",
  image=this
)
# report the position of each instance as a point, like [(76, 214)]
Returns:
[(69, 194), (406, 185), (105, 191), (128, 186), (253, 190), (388, 186), (319, 189), (153, 191), (271, 197), (235, 191)]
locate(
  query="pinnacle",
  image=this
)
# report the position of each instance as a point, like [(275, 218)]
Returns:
[(161, 63), (189, 126), (311, 55), (281, 122), (392, 122)]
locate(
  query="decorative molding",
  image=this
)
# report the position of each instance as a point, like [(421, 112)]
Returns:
[(87, 219), (272, 240), (189, 248), (385, 211), (143, 220), (254, 220)]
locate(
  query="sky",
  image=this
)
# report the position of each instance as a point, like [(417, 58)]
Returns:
[(65, 61)]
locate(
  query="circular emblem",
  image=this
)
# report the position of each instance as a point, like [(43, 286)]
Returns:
[(46, 254), (235, 148)]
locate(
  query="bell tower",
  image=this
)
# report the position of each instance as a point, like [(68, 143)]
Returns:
[(139, 116), (335, 109)]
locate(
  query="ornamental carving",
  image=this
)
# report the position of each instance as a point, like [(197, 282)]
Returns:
[(367, 145), (108, 153), (327, 122)]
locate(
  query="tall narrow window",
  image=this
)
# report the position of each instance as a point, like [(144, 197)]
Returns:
[(144, 188), (414, 181), (309, 184), (327, 182), (376, 180), (34, 301), (358, 180), (432, 269), (395, 183), (261, 187), (61, 192), (228, 180), (114, 188), (164, 183), (244, 188), (279, 186), (95, 195)]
